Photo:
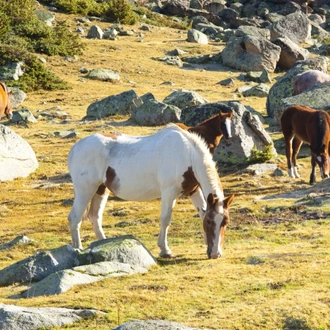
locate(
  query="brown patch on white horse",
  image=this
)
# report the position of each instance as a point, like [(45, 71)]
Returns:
[(111, 182), (112, 136), (189, 184)]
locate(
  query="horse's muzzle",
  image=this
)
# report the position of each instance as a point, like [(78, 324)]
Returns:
[(213, 255), (9, 116)]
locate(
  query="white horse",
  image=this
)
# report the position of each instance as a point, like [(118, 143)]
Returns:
[(167, 164)]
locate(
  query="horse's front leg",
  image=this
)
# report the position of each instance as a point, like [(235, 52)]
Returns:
[(288, 152), (296, 145), (168, 202), (312, 178)]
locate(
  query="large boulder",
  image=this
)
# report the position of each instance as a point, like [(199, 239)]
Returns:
[(183, 98), (38, 266), (17, 159), (11, 71), (95, 32), (155, 113), (295, 26), (58, 270), (64, 280), (283, 86), (290, 53), (199, 37), (125, 249), (248, 135), (195, 114), (250, 53), (120, 104), (27, 318), (103, 75)]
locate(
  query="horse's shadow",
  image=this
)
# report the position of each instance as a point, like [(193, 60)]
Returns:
[(177, 259)]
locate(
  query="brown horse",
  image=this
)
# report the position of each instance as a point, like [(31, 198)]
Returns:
[(303, 124), (5, 102), (212, 129)]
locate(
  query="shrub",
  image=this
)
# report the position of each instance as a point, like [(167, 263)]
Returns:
[(120, 11), (261, 156), (37, 77), (22, 33)]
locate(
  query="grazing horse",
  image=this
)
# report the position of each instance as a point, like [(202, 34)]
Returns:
[(303, 124), (212, 129), (166, 165), (5, 104), (307, 79)]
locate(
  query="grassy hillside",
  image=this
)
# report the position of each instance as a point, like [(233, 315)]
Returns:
[(275, 272)]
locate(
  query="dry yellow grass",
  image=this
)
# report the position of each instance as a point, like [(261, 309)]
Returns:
[(274, 275)]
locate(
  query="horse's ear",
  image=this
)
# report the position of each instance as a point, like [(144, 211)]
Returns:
[(228, 201), (210, 199)]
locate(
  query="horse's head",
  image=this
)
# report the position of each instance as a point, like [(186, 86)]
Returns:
[(215, 222), (8, 109), (323, 161), (225, 123)]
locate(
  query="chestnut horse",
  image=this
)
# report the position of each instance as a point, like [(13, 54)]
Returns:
[(212, 129), (166, 165), (5, 102), (303, 124)]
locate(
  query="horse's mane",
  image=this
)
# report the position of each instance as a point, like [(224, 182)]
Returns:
[(200, 144), (208, 119), (321, 125)]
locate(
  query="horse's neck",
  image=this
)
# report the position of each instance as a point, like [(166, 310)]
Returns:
[(213, 124), (207, 176)]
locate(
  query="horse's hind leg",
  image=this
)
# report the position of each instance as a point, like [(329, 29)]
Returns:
[(80, 204), (296, 145), (288, 137), (96, 209)]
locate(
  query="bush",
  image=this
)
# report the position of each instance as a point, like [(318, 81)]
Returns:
[(22, 33), (37, 77), (261, 156), (120, 11)]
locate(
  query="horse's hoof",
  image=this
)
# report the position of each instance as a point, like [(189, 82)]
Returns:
[(167, 255)]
